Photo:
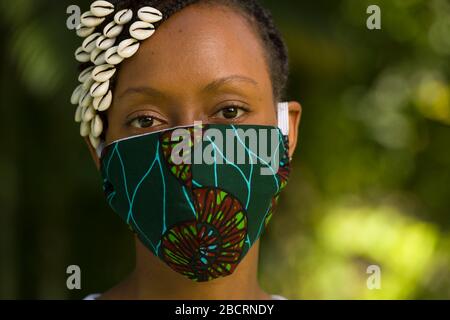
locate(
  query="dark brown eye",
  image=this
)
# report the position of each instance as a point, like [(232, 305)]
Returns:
[(231, 112), (144, 122)]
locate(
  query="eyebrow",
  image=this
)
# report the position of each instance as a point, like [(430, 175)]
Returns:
[(216, 84), (211, 87)]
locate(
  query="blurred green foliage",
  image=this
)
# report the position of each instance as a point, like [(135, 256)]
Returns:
[(371, 179)]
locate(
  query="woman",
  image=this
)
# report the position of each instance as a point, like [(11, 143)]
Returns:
[(150, 67)]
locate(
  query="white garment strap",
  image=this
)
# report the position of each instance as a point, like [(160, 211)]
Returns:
[(283, 117), (100, 148)]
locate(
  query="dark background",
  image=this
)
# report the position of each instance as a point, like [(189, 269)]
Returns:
[(371, 180)]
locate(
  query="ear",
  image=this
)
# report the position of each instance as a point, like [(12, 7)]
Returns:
[(295, 114), (93, 153)]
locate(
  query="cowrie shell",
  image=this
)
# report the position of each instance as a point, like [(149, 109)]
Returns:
[(112, 57), (81, 55), (75, 98), (98, 56), (102, 8), (105, 43), (89, 43), (85, 128), (123, 16), (95, 142), (88, 83), (141, 30), (88, 113), (149, 14), (90, 20), (85, 74), (78, 113), (96, 126), (103, 103), (128, 48), (112, 30), (82, 93), (99, 89), (83, 31), (103, 73), (85, 99)]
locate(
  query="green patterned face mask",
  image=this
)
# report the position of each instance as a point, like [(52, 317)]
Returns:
[(199, 217)]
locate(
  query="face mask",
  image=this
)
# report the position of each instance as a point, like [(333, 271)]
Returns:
[(198, 197)]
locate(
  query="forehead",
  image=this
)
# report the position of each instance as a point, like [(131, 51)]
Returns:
[(194, 46)]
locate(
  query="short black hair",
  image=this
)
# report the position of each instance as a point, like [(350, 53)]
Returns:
[(259, 17)]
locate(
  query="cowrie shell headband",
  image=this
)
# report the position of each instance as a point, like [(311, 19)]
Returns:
[(100, 48)]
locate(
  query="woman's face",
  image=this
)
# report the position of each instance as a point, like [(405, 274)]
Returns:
[(204, 64)]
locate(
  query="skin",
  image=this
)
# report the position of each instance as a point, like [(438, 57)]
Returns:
[(198, 63)]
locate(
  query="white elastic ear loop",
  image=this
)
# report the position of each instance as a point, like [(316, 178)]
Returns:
[(283, 117)]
